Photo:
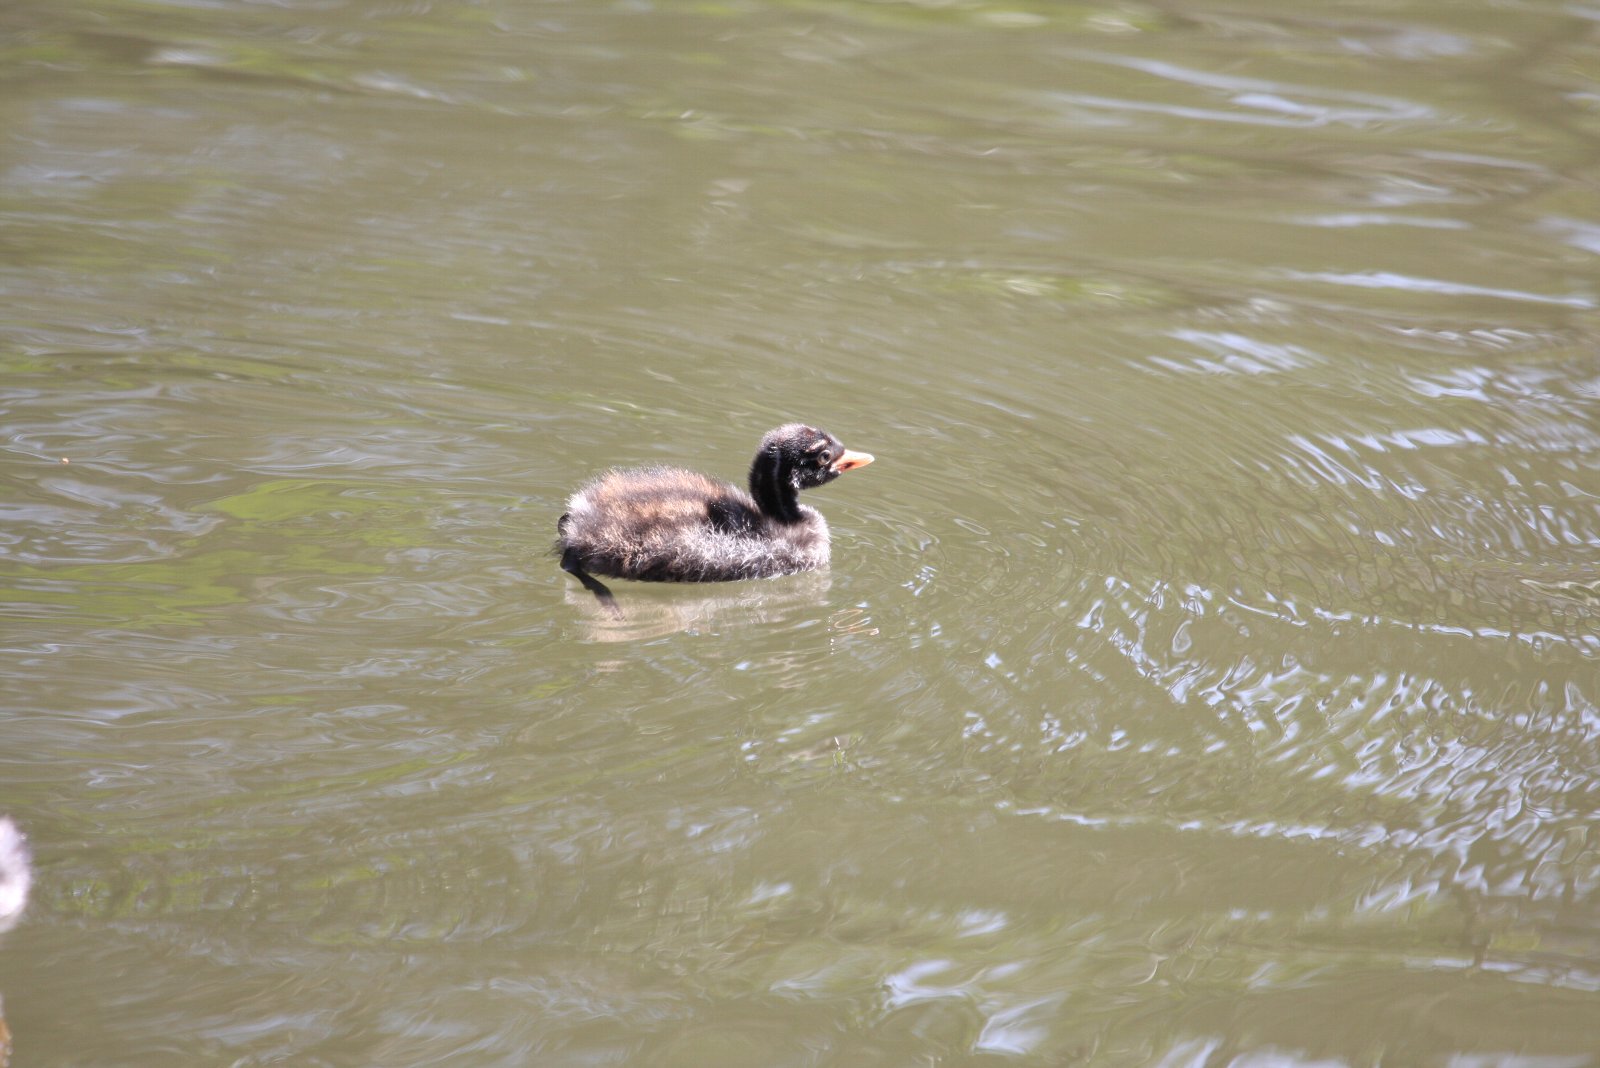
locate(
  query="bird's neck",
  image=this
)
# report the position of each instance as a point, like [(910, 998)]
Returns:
[(773, 491)]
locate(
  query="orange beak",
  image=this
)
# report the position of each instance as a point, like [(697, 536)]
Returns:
[(849, 461)]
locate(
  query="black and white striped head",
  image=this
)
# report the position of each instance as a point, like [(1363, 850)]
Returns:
[(803, 456)]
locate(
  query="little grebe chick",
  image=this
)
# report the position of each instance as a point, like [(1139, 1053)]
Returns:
[(665, 524)]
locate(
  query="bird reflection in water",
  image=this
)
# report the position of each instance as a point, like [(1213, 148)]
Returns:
[(703, 609)]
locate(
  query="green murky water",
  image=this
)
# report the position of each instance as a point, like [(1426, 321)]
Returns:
[(1207, 674)]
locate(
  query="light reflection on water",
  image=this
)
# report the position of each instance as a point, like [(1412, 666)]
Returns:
[(1208, 661)]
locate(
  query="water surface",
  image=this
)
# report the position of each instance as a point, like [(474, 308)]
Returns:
[(1207, 672)]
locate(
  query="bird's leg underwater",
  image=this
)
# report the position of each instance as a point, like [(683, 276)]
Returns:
[(570, 564)]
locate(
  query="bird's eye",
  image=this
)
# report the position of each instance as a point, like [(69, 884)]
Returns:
[(824, 458)]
